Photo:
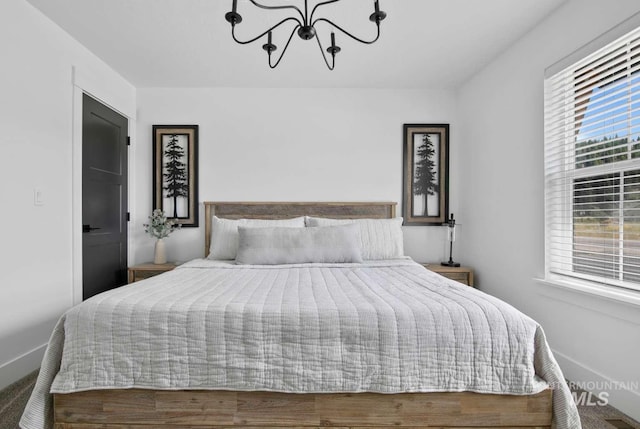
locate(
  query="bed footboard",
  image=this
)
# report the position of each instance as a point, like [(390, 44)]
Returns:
[(120, 409)]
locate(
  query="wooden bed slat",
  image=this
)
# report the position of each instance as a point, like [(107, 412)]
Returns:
[(109, 426), (278, 210), (225, 409), (101, 426)]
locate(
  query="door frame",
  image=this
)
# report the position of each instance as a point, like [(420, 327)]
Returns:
[(121, 100)]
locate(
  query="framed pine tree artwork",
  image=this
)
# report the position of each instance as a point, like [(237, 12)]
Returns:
[(425, 172), (175, 172)]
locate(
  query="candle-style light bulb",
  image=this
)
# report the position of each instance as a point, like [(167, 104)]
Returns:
[(377, 16), (233, 17), (333, 49), (269, 46)]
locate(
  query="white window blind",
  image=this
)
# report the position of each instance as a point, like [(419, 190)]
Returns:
[(592, 166)]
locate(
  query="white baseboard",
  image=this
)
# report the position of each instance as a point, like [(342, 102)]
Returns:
[(620, 397), (19, 367)]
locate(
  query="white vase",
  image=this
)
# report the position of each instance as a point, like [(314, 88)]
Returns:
[(160, 254)]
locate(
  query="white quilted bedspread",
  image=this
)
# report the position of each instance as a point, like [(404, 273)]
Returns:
[(384, 327)]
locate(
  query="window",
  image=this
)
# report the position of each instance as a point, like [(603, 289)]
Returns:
[(592, 166)]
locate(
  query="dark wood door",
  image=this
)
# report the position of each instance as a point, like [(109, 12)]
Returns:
[(104, 198)]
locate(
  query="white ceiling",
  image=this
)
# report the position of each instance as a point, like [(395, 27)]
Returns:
[(187, 43)]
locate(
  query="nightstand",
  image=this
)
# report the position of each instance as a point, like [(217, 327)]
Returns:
[(149, 269), (463, 275)]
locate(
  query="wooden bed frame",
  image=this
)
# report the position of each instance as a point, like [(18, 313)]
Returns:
[(197, 409)]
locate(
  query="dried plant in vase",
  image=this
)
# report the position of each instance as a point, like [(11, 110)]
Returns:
[(160, 227)]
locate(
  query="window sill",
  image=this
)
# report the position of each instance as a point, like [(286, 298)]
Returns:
[(620, 295)]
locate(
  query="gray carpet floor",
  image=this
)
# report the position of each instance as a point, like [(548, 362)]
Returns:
[(14, 398)]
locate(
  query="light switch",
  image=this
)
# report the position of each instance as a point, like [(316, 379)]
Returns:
[(38, 197)]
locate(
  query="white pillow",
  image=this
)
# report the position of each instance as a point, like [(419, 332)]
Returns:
[(270, 246), (224, 233), (380, 238)]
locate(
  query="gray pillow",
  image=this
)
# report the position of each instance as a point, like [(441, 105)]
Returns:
[(270, 246), (224, 233), (381, 238)]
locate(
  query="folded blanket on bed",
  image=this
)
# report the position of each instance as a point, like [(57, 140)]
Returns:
[(384, 327)]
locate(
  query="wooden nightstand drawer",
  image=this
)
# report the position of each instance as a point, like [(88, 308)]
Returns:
[(144, 271), (463, 275)]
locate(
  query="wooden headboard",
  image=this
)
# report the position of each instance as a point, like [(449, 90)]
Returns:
[(284, 210)]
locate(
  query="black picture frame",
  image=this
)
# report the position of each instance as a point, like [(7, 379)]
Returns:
[(175, 172), (425, 173)]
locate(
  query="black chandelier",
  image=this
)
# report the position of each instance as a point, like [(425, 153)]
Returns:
[(305, 26)]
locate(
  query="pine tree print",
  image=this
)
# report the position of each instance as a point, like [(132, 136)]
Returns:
[(425, 180), (175, 175)]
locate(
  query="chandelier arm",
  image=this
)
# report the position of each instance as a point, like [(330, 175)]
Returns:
[(255, 3), (320, 4), (246, 42), (324, 57), (284, 50), (366, 42)]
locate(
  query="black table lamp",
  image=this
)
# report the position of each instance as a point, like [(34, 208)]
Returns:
[(451, 225)]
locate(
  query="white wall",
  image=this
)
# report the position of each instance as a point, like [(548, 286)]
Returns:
[(36, 105), (291, 145), (299, 144), (502, 205)]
